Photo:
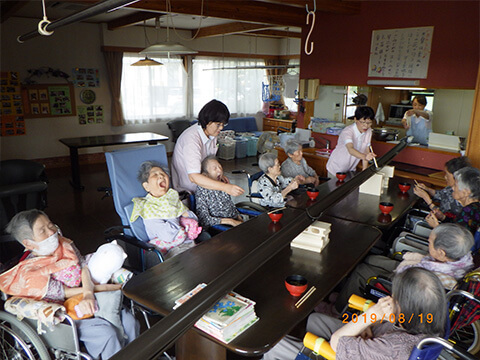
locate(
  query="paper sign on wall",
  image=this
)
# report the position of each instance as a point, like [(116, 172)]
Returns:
[(400, 53)]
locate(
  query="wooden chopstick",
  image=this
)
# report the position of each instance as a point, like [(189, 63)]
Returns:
[(276, 210), (374, 159), (305, 297)]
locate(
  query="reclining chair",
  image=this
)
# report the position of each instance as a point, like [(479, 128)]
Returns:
[(122, 168), (23, 186)]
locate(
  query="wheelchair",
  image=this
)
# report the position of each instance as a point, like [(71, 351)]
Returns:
[(429, 348), (464, 308)]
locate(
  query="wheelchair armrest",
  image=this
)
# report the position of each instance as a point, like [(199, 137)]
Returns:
[(112, 234), (319, 346), (445, 343), (463, 293), (25, 188)]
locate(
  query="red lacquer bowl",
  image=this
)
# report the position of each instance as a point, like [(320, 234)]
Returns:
[(341, 176), (296, 284), (385, 207)]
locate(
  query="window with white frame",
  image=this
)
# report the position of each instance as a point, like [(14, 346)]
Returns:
[(239, 89), (153, 93)]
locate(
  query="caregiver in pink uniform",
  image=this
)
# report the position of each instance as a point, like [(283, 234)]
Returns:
[(353, 144)]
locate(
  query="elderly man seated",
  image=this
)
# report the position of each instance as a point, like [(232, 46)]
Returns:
[(449, 258), (417, 293), (55, 271)]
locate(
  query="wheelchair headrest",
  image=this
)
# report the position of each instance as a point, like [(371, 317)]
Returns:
[(123, 166), (17, 171)]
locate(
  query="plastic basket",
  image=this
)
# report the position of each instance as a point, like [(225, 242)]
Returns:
[(252, 146), (241, 148), (224, 134), (226, 150)]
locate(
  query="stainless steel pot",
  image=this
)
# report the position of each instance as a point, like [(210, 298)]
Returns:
[(383, 134)]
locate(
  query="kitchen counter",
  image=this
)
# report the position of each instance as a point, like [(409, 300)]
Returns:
[(414, 162)]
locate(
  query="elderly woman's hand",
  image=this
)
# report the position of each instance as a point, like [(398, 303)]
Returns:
[(88, 305), (382, 309), (300, 179), (432, 220), (417, 190), (234, 190)]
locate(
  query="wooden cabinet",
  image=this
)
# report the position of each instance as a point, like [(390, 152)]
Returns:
[(316, 162), (270, 124)]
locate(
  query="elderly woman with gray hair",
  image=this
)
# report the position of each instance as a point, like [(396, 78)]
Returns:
[(466, 191), (169, 224), (272, 185), (449, 257), (295, 164), (416, 293)]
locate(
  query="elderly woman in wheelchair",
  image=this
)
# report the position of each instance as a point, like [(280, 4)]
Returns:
[(389, 330), (272, 185), (169, 224), (54, 271), (449, 258), (466, 190), (215, 207)]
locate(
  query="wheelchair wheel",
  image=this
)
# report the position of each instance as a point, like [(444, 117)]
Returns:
[(469, 336), (19, 341)]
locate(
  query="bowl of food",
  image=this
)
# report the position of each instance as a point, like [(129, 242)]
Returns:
[(385, 207), (404, 187), (275, 216), (296, 284), (312, 194), (341, 176)]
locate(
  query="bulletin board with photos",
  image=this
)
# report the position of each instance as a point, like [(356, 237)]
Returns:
[(48, 100), (12, 121)]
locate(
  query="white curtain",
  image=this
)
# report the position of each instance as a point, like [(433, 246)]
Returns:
[(153, 93), (239, 89)]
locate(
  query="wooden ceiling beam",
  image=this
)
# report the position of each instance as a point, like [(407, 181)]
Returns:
[(275, 34), (245, 10), (229, 29), (347, 7), (132, 19)]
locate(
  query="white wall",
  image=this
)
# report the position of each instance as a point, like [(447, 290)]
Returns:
[(79, 45)]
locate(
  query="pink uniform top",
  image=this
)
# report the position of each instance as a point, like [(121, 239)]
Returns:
[(191, 148), (340, 159)]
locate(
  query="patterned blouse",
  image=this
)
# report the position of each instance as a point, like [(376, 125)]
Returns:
[(213, 205), (447, 203), (290, 169), (271, 191), (470, 217)]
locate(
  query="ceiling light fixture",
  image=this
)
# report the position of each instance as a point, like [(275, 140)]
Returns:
[(168, 47), (147, 61)]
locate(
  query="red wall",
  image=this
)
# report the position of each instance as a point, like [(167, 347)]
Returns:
[(342, 42)]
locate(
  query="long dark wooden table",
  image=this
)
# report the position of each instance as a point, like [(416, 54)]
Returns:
[(104, 140), (360, 207), (159, 287)]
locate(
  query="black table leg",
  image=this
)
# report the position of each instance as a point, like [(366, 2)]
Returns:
[(74, 163)]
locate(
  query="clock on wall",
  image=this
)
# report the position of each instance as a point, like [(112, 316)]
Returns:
[(87, 96)]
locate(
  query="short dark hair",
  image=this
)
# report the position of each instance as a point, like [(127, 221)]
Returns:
[(364, 112), (457, 163), (213, 111), (419, 293), (421, 99)]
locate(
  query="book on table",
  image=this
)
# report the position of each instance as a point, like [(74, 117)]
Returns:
[(229, 317)]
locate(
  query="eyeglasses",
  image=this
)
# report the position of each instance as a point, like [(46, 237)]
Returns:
[(363, 122)]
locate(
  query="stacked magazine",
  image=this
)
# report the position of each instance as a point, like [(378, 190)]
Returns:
[(229, 317)]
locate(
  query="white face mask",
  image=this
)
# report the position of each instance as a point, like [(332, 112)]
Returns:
[(47, 246)]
